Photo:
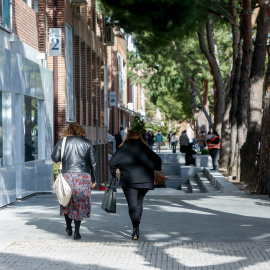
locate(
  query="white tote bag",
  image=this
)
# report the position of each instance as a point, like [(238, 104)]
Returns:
[(61, 187)]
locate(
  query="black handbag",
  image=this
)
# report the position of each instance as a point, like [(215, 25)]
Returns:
[(109, 199)]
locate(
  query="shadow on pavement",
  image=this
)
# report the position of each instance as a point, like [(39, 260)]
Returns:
[(182, 231)]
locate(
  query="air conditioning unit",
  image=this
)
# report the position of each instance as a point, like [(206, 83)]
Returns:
[(109, 36), (79, 2), (130, 106)]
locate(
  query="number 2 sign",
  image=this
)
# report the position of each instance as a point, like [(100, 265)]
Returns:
[(55, 40)]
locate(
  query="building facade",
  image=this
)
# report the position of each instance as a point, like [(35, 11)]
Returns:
[(40, 94), (80, 73), (26, 103), (130, 98)]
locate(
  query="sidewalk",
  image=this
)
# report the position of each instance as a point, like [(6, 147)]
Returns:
[(178, 231)]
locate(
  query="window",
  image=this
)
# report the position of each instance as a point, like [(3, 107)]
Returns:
[(30, 128), (1, 131), (5, 13), (32, 3), (120, 76), (5, 129), (70, 100), (106, 93)]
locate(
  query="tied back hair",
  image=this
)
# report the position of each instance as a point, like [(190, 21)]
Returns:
[(134, 135)]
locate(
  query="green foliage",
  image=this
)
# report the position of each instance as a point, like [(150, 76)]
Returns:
[(150, 109), (154, 24), (164, 129), (154, 18), (138, 125), (56, 168), (205, 152)]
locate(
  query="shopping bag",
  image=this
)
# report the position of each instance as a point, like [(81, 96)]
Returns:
[(109, 199), (62, 190), (60, 186)]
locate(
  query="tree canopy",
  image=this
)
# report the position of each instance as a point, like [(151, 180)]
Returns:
[(165, 19)]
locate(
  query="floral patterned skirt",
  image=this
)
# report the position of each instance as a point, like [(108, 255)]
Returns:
[(80, 202)]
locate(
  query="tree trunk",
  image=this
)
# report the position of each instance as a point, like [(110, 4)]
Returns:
[(264, 157), (226, 136), (243, 97), (249, 150), (226, 133), (232, 166), (213, 63)]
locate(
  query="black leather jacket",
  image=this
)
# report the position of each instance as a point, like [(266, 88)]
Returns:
[(79, 156)]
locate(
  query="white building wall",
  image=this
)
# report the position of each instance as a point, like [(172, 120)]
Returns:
[(21, 75)]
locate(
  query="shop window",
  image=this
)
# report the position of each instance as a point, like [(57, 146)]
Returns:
[(5, 13), (30, 128), (5, 129), (120, 76)]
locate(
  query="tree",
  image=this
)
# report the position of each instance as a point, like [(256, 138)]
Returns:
[(263, 176), (138, 125), (241, 87), (249, 151)]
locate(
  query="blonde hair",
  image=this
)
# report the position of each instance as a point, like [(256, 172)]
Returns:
[(135, 136), (73, 129)]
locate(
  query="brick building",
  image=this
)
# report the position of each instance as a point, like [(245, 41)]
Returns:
[(130, 98), (80, 73)]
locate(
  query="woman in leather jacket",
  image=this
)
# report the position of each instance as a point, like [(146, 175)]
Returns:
[(137, 164), (79, 170)]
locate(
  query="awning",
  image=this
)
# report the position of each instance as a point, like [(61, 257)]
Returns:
[(131, 112)]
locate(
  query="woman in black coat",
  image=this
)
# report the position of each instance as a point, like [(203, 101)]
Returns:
[(137, 164)]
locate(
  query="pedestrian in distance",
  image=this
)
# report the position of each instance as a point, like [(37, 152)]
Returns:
[(169, 139), (79, 170), (159, 141), (214, 149), (136, 163), (196, 144), (150, 139), (184, 141), (118, 139), (190, 160), (146, 137), (174, 141), (201, 140), (123, 133), (208, 136)]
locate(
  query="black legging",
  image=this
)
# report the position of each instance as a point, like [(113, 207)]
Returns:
[(77, 223), (135, 198)]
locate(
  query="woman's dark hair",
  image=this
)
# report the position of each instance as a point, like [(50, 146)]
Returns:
[(74, 129), (216, 133), (134, 135)]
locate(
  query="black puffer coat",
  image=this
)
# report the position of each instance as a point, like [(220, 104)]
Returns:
[(79, 156), (136, 162)]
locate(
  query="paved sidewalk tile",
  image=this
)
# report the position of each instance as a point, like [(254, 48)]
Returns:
[(134, 255), (177, 232)]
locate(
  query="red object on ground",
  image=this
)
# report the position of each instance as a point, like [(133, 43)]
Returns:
[(102, 187)]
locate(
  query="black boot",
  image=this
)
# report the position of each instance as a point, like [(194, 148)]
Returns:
[(77, 236), (69, 230), (136, 233), (77, 229), (68, 223)]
